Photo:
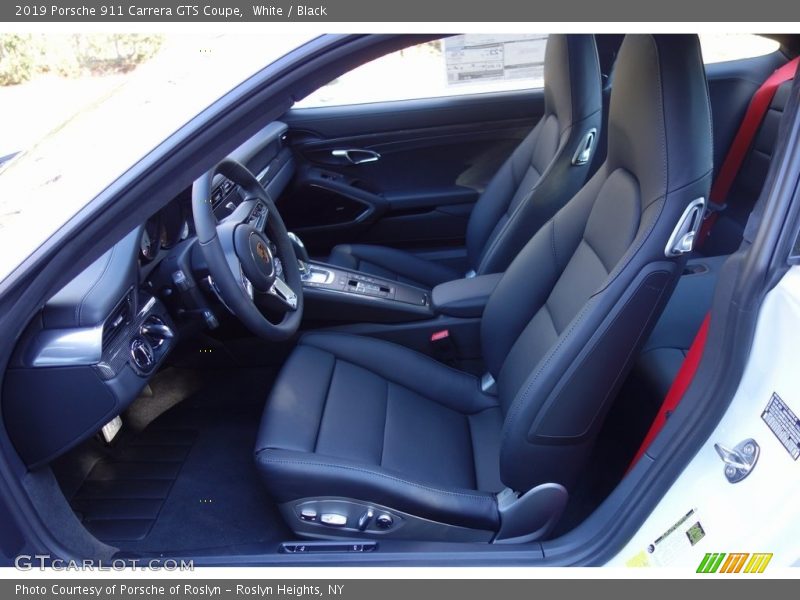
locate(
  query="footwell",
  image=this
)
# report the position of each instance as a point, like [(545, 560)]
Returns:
[(187, 481)]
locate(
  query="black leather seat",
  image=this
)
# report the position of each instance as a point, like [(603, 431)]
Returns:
[(537, 179), (663, 353), (357, 430)]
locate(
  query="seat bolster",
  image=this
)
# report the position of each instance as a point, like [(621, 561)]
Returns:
[(295, 475), (391, 263), (304, 381), (417, 372)]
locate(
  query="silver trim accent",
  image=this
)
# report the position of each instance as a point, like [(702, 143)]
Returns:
[(471, 274), (284, 293), (301, 264), (488, 384), (681, 240), (148, 306), (248, 287), (213, 287), (111, 429), (530, 516), (740, 461), (583, 153), (333, 519), (65, 347), (142, 355), (317, 274), (263, 173), (371, 155), (405, 525), (155, 331)]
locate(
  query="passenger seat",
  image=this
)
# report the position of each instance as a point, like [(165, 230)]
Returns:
[(541, 175)]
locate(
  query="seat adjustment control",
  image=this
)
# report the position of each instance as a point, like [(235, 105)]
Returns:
[(363, 521), (333, 519), (308, 514), (384, 521)]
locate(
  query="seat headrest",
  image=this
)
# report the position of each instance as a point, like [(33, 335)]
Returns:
[(659, 125), (572, 78)]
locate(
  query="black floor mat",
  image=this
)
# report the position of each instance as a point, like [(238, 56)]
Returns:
[(188, 481)]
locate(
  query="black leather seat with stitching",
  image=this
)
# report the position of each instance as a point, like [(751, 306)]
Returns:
[(663, 353), (362, 419), (536, 180)]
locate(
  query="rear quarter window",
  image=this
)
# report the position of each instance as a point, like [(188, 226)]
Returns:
[(722, 47)]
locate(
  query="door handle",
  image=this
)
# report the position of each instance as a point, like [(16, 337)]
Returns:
[(356, 156)]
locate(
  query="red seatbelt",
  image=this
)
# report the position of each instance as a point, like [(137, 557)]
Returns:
[(758, 107), (678, 387)]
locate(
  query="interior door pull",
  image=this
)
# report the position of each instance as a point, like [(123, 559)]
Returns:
[(357, 156)]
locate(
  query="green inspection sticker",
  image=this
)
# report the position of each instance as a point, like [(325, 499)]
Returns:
[(695, 533)]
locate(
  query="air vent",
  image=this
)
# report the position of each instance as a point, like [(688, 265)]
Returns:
[(118, 319)]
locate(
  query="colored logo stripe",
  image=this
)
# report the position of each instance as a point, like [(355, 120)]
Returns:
[(713, 562), (734, 562), (758, 563)]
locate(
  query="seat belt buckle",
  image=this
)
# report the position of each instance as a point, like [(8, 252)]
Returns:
[(444, 349)]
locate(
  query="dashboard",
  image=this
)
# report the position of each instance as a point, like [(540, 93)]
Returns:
[(96, 343)]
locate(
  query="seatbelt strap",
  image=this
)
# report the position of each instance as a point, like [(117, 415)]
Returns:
[(678, 388), (753, 117)]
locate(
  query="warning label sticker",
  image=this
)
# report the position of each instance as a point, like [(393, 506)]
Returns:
[(672, 545), (784, 424)]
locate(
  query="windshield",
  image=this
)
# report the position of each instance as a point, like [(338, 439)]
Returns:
[(78, 110)]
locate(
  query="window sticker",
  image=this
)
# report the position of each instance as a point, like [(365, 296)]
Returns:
[(472, 58)]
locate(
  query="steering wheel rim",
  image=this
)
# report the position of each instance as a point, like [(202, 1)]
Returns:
[(237, 253)]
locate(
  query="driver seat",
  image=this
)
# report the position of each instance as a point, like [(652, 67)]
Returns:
[(364, 438)]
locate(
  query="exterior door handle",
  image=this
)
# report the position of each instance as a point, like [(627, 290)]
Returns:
[(357, 156)]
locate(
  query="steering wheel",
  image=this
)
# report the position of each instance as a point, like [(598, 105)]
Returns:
[(240, 251)]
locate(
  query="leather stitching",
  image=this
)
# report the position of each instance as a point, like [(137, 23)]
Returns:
[(496, 238), (79, 308), (664, 150), (483, 498), (325, 401), (385, 343), (385, 421)]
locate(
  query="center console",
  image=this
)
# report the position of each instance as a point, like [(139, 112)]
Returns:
[(337, 294)]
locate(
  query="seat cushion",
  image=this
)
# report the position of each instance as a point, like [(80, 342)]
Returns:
[(365, 419), (392, 264)]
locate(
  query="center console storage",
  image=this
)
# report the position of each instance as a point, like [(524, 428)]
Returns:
[(465, 298), (336, 294)]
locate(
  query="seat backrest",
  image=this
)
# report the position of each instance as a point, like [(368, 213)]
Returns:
[(539, 176), (563, 325)]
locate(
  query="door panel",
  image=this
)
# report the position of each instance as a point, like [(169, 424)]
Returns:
[(433, 159)]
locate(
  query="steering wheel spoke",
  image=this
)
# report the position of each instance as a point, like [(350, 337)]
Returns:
[(281, 290)]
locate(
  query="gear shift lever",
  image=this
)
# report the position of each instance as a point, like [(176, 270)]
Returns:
[(301, 253)]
